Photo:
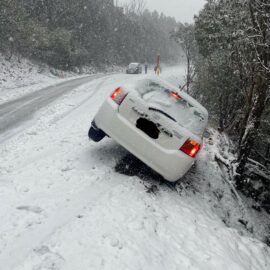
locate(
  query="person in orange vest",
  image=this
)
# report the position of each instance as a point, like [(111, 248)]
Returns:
[(157, 67)]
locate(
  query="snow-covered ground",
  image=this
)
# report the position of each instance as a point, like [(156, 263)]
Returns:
[(20, 76), (64, 206)]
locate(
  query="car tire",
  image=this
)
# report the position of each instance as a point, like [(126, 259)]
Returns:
[(95, 134)]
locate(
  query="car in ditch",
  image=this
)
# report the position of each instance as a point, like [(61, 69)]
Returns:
[(157, 123), (134, 68)]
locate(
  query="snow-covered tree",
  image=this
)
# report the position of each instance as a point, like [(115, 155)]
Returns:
[(185, 37), (68, 33), (233, 38)]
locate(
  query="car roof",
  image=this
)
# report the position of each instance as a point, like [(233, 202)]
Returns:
[(183, 94)]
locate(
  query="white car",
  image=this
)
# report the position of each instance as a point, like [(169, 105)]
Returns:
[(161, 126)]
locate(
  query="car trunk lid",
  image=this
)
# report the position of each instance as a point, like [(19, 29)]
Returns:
[(153, 123)]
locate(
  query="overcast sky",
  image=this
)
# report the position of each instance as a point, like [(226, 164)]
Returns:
[(182, 10)]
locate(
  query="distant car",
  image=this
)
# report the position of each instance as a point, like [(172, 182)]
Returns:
[(156, 123), (134, 68)]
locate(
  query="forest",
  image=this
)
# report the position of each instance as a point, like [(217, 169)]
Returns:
[(228, 53), (67, 34)]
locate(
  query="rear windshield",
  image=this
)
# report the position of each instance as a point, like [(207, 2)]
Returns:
[(160, 97), (133, 65)]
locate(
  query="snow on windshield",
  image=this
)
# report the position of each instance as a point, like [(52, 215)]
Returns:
[(162, 97), (133, 65)]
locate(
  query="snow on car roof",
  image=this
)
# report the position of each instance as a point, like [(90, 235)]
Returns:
[(133, 64), (183, 94), (188, 112)]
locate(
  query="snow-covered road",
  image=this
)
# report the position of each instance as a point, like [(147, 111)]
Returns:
[(14, 112), (63, 205)]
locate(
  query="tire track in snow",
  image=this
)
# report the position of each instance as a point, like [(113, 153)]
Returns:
[(92, 94), (16, 112), (14, 255), (62, 117)]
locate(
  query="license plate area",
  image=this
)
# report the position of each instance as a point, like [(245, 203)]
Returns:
[(148, 127)]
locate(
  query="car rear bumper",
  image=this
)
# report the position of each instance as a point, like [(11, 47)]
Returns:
[(171, 164), (132, 71)]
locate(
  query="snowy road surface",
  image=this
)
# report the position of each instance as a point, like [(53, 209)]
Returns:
[(63, 205), (12, 113)]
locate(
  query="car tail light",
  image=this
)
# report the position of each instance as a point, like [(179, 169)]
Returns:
[(190, 147), (118, 95), (175, 95)]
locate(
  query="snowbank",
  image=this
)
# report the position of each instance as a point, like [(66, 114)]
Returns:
[(19, 76)]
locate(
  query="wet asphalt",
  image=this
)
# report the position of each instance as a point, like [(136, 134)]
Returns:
[(15, 112)]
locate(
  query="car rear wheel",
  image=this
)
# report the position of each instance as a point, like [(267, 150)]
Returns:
[(95, 133)]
